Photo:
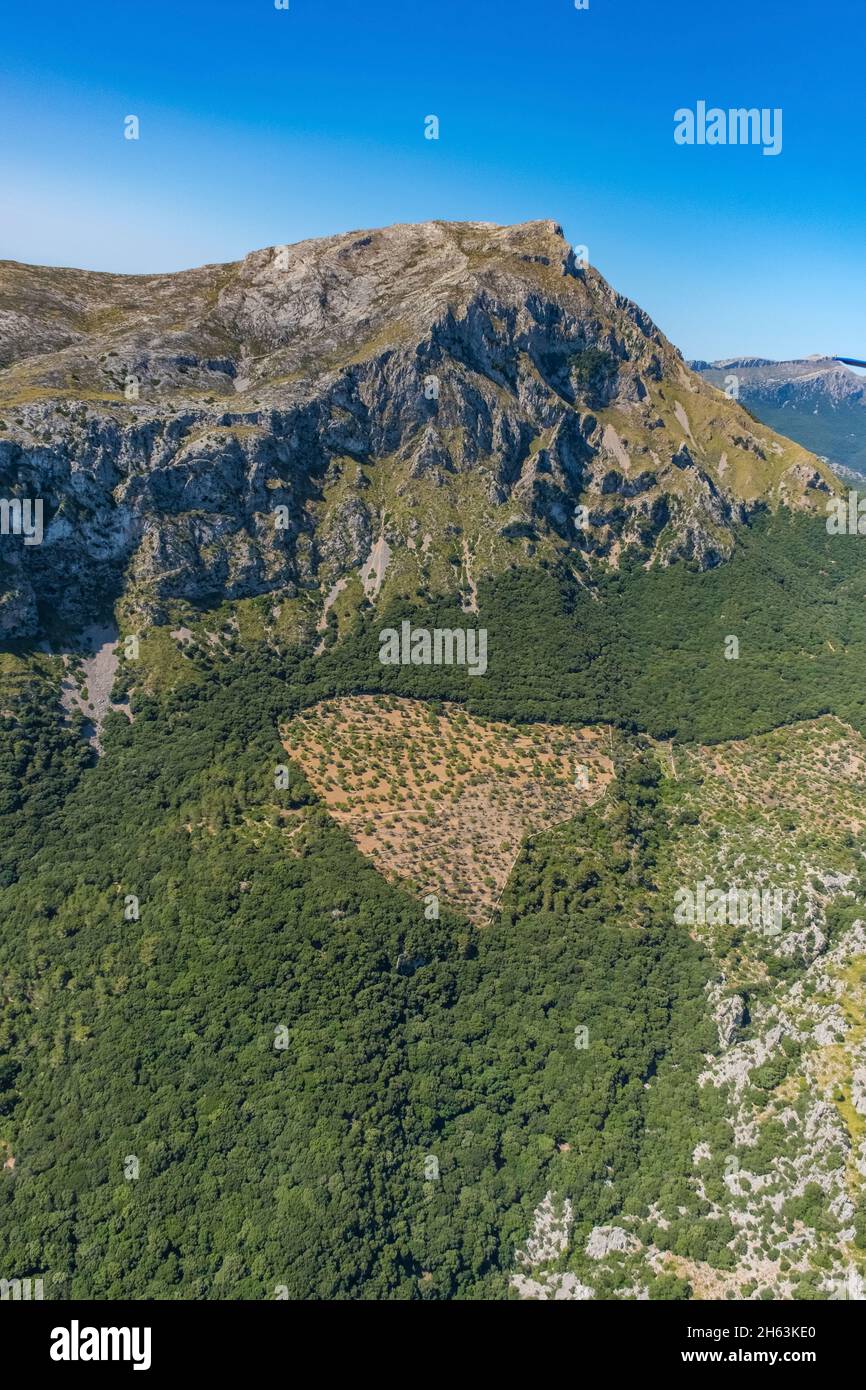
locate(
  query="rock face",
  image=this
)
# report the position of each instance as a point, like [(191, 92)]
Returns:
[(729, 1012), (607, 1240), (255, 427), (551, 1229), (552, 1224), (558, 1288)]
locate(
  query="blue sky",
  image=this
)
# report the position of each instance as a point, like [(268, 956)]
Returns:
[(261, 126)]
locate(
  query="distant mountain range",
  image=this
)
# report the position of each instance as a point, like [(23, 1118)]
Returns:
[(816, 401)]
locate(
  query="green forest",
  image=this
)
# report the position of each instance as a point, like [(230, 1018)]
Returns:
[(218, 1081)]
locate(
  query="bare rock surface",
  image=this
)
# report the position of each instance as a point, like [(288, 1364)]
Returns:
[(165, 420)]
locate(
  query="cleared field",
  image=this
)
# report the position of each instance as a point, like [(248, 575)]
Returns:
[(438, 798), (786, 808), (792, 769)]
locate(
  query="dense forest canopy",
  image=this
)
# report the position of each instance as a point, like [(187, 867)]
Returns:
[(219, 1079)]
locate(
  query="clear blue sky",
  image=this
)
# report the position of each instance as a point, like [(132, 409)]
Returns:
[(261, 126)]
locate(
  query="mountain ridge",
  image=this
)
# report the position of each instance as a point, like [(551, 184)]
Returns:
[(463, 396)]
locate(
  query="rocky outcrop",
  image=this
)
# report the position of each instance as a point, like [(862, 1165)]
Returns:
[(211, 434), (551, 1230), (553, 1287), (610, 1240), (729, 1012)]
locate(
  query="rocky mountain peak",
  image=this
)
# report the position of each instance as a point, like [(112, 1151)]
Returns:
[(463, 396)]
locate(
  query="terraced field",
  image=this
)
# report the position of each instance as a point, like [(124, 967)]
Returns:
[(439, 798)]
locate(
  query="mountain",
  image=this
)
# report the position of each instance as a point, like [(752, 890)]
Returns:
[(323, 977), (816, 400), (359, 415)]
